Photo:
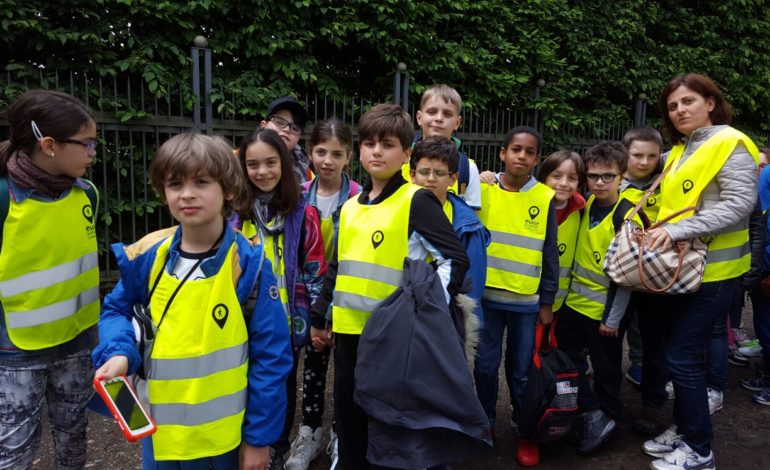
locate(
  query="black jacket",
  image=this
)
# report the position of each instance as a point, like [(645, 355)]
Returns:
[(413, 379), (757, 234)]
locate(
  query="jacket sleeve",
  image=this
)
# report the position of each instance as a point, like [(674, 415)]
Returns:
[(312, 259), (549, 278), (116, 333), (430, 225), (757, 239), (323, 302), (270, 361)]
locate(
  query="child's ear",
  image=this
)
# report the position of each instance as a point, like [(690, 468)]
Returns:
[(411, 174), (407, 154), (502, 153), (453, 178), (229, 197), (262, 124)]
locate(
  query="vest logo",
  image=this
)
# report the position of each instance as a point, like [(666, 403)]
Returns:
[(88, 213), (299, 325), (280, 253), (597, 257), (220, 314), (651, 201), (686, 186), (534, 211), (274, 294), (562, 248), (377, 238)]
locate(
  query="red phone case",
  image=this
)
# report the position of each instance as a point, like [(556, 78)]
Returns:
[(118, 418)]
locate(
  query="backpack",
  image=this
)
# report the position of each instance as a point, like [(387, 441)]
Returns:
[(550, 399), (5, 201)]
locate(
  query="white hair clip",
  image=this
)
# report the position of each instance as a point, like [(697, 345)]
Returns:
[(36, 131)]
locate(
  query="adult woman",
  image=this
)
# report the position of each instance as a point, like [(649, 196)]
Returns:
[(714, 169)]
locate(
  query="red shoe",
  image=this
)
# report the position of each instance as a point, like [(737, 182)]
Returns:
[(528, 453)]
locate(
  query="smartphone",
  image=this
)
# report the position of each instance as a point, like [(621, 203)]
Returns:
[(123, 403)]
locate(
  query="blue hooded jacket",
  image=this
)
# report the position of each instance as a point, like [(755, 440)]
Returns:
[(270, 358), (764, 200), (475, 238)]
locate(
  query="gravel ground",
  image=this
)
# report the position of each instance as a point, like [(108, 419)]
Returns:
[(742, 436)]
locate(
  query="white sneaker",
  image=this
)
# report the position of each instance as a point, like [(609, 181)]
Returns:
[(751, 349), (670, 390), (332, 450), (305, 448), (716, 398), (684, 458), (663, 444)]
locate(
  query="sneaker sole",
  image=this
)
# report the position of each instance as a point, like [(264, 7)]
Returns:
[(607, 432), (737, 363), (760, 401), (657, 454), (710, 466), (753, 388), (711, 412)]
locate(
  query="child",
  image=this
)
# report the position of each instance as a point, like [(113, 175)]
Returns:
[(214, 381), (522, 271), (647, 330), (594, 308), (439, 115), (288, 118), (434, 167), (289, 232), (331, 146), (389, 221), (49, 289)]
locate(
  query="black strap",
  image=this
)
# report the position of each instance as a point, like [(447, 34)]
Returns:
[(179, 286)]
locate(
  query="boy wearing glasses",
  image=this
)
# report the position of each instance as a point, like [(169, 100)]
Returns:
[(434, 166), (288, 118), (594, 307)]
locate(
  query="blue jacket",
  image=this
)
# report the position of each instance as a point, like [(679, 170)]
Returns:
[(764, 201), (475, 239), (270, 358)]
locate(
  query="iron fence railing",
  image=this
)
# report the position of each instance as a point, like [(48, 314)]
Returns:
[(133, 122)]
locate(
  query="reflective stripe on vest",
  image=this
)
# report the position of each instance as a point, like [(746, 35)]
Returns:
[(683, 187), (371, 247), (567, 239), (197, 368), (49, 288), (589, 285), (515, 254)]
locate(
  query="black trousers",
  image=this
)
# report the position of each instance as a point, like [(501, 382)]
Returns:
[(654, 326), (574, 332), (350, 419)]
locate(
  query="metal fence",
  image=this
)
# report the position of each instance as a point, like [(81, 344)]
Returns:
[(132, 123)]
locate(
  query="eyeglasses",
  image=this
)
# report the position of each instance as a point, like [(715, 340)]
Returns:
[(606, 177), (425, 172), (283, 124), (89, 144)]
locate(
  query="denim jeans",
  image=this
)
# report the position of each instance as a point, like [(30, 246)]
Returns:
[(521, 340), (65, 383), (654, 326), (692, 319), (716, 354), (761, 306)]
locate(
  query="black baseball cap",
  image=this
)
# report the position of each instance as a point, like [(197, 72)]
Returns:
[(290, 104)]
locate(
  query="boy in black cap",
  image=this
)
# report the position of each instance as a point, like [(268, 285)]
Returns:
[(288, 118)]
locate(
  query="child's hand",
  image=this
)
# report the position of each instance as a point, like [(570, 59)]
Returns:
[(254, 458), (320, 338), (487, 177), (605, 330), (545, 315), (115, 366)]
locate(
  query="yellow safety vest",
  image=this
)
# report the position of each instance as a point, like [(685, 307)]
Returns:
[(567, 238), (651, 207), (197, 370), (589, 285), (49, 270), (729, 253), (272, 246), (371, 246), (327, 233), (517, 222)]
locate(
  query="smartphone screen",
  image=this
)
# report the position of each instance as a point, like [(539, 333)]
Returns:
[(126, 405)]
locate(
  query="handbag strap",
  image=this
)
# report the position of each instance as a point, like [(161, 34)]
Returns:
[(649, 192)]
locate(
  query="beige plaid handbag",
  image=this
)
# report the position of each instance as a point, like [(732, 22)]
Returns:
[(676, 270)]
